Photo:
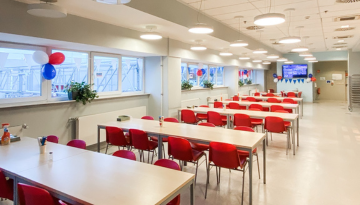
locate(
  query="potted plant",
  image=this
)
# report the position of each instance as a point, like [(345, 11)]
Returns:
[(208, 84), (249, 82), (186, 85), (240, 83), (81, 92)]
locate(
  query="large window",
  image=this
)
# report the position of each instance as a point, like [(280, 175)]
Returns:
[(247, 76), (214, 74), (106, 72), (132, 74)]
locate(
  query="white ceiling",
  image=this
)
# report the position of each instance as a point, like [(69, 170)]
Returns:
[(320, 27)]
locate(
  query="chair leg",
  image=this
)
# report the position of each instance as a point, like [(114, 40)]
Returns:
[(197, 165), (217, 175), (266, 136), (152, 159), (107, 146), (163, 148), (243, 186), (257, 160), (287, 142), (148, 156), (207, 178)]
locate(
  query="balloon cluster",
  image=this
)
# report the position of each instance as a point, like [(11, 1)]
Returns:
[(311, 78), (48, 70), (201, 72), (276, 78)]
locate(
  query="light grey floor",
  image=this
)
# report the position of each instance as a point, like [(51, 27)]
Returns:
[(325, 169)]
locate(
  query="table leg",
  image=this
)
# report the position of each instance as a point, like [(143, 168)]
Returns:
[(192, 194), (228, 121), (293, 139), (16, 199), (250, 176), (98, 139), (297, 130), (160, 147), (302, 108), (179, 116), (264, 159)]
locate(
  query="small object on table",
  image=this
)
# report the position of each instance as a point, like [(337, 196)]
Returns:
[(5, 139), (123, 118), (161, 120), (14, 138), (51, 158), (224, 107), (42, 144)]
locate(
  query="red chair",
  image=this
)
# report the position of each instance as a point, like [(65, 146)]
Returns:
[(216, 119), (289, 100), (273, 100), (246, 153), (181, 150), (228, 99), (234, 106), (223, 155), (251, 99), (147, 118), (236, 98), (188, 117), (165, 139), (52, 138), (270, 95), (271, 90), (286, 123), (256, 94), (242, 120), (77, 144), (30, 195), (6, 187), (199, 146), (171, 119), (218, 105), (125, 154), (291, 95), (277, 125), (282, 93), (171, 165), (141, 142), (299, 94), (116, 137), (200, 116), (274, 108), (257, 106)]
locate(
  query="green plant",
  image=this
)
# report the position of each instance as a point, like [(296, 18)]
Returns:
[(248, 82), (83, 90), (186, 85), (208, 84), (240, 83)]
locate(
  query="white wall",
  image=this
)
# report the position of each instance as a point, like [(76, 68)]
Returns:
[(201, 95), (354, 63)]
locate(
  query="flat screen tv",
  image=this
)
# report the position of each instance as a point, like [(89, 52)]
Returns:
[(295, 71)]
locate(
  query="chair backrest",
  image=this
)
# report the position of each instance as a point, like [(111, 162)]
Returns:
[(243, 128), (224, 155), (188, 116), (236, 98), (251, 99), (274, 108), (52, 138), (282, 94), (282, 111), (115, 136), (180, 149), (147, 118), (125, 154), (289, 100), (291, 94), (171, 119), (167, 163), (270, 95), (255, 109), (273, 100), (228, 99), (204, 106), (139, 139), (234, 106), (299, 94), (218, 105), (257, 106), (274, 124), (30, 195), (214, 118), (256, 94), (271, 90), (242, 120), (5, 190), (207, 124), (77, 144)]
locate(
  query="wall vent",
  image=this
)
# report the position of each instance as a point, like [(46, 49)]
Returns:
[(345, 29), (347, 1), (343, 37), (253, 28), (347, 18)]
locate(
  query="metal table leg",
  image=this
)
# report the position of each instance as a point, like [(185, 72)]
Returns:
[(250, 176), (98, 139), (192, 195), (179, 116), (160, 147), (297, 130), (302, 108), (228, 121), (264, 159)]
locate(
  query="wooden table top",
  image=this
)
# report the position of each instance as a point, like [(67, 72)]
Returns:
[(241, 139), (264, 104)]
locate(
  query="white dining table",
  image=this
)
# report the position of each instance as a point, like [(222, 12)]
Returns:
[(247, 141)]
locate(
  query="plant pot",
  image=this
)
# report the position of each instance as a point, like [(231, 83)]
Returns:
[(72, 95)]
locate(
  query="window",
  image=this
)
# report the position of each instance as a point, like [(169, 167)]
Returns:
[(249, 77), (106, 72), (204, 75), (214, 74), (132, 74), (183, 72), (193, 78), (75, 68), (220, 76)]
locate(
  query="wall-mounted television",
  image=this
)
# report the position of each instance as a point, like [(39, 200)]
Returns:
[(295, 71)]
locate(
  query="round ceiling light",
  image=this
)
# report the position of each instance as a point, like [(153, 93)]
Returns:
[(260, 51), (239, 43), (290, 39), (244, 58), (289, 62), (113, 1), (269, 19), (47, 10), (257, 61), (305, 54), (151, 36), (225, 53), (310, 58), (201, 28), (266, 62), (198, 48), (300, 49), (272, 56), (282, 59)]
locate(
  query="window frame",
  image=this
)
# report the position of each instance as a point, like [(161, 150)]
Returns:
[(143, 76)]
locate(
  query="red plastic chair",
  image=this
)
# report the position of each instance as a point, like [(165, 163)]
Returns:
[(270, 95), (218, 105), (242, 120), (257, 106), (53, 139), (286, 123), (125, 154), (236, 98), (30, 195), (147, 118), (228, 99), (200, 116), (243, 128), (116, 137), (291, 95), (289, 100), (256, 94), (282, 93), (181, 150), (77, 144), (277, 125), (274, 108), (234, 106), (165, 139), (188, 117), (199, 146), (273, 100), (171, 119), (6, 187), (271, 90), (299, 94), (141, 142), (223, 155), (216, 119), (251, 99), (171, 165)]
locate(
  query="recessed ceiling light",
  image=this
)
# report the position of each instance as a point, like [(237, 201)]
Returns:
[(244, 57), (201, 28), (269, 19), (225, 53), (289, 62), (260, 51), (266, 62), (239, 43), (151, 36), (340, 41), (272, 56), (338, 49), (257, 61), (305, 54), (282, 59), (290, 39), (47, 10), (300, 49), (345, 26), (310, 58), (113, 1)]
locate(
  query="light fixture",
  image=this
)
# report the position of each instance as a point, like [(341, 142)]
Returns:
[(47, 10), (300, 49), (340, 41), (257, 61), (113, 1), (239, 43), (309, 58), (201, 28), (282, 59), (315, 61), (198, 46), (272, 56), (289, 62), (150, 35), (289, 38), (269, 19), (260, 51), (345, 26), (244, 57), (266, 62), (305, 54), (225, 52)]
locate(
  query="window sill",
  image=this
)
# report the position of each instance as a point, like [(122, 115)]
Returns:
[(203, 89), (248, 85), (47, 102)]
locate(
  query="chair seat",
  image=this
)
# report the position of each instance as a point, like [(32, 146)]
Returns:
[(197, 155), (224, 118), (287, 124), (256, 121), (199, 147), (155, 139), (246, 153), (152, 145), (201, 116)]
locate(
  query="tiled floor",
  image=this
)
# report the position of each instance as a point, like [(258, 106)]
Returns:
[(325, 169)]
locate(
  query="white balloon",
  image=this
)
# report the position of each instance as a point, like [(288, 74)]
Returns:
[(244, 77), (40, 57), (276, 80), (308, 80)]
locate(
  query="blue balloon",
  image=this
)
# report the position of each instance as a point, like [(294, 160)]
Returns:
[(245, 72), (203, 71), (48, 71), (275, 75), (310, 75)]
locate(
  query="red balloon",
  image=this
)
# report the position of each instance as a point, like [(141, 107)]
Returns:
[(279, 77), (199, 73), (56, 58), (313, 79)]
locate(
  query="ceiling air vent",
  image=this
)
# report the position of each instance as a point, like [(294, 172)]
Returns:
[(343, 37), (253, 28), (339, 44), (345, 29), (347, 18), (347, 1)]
